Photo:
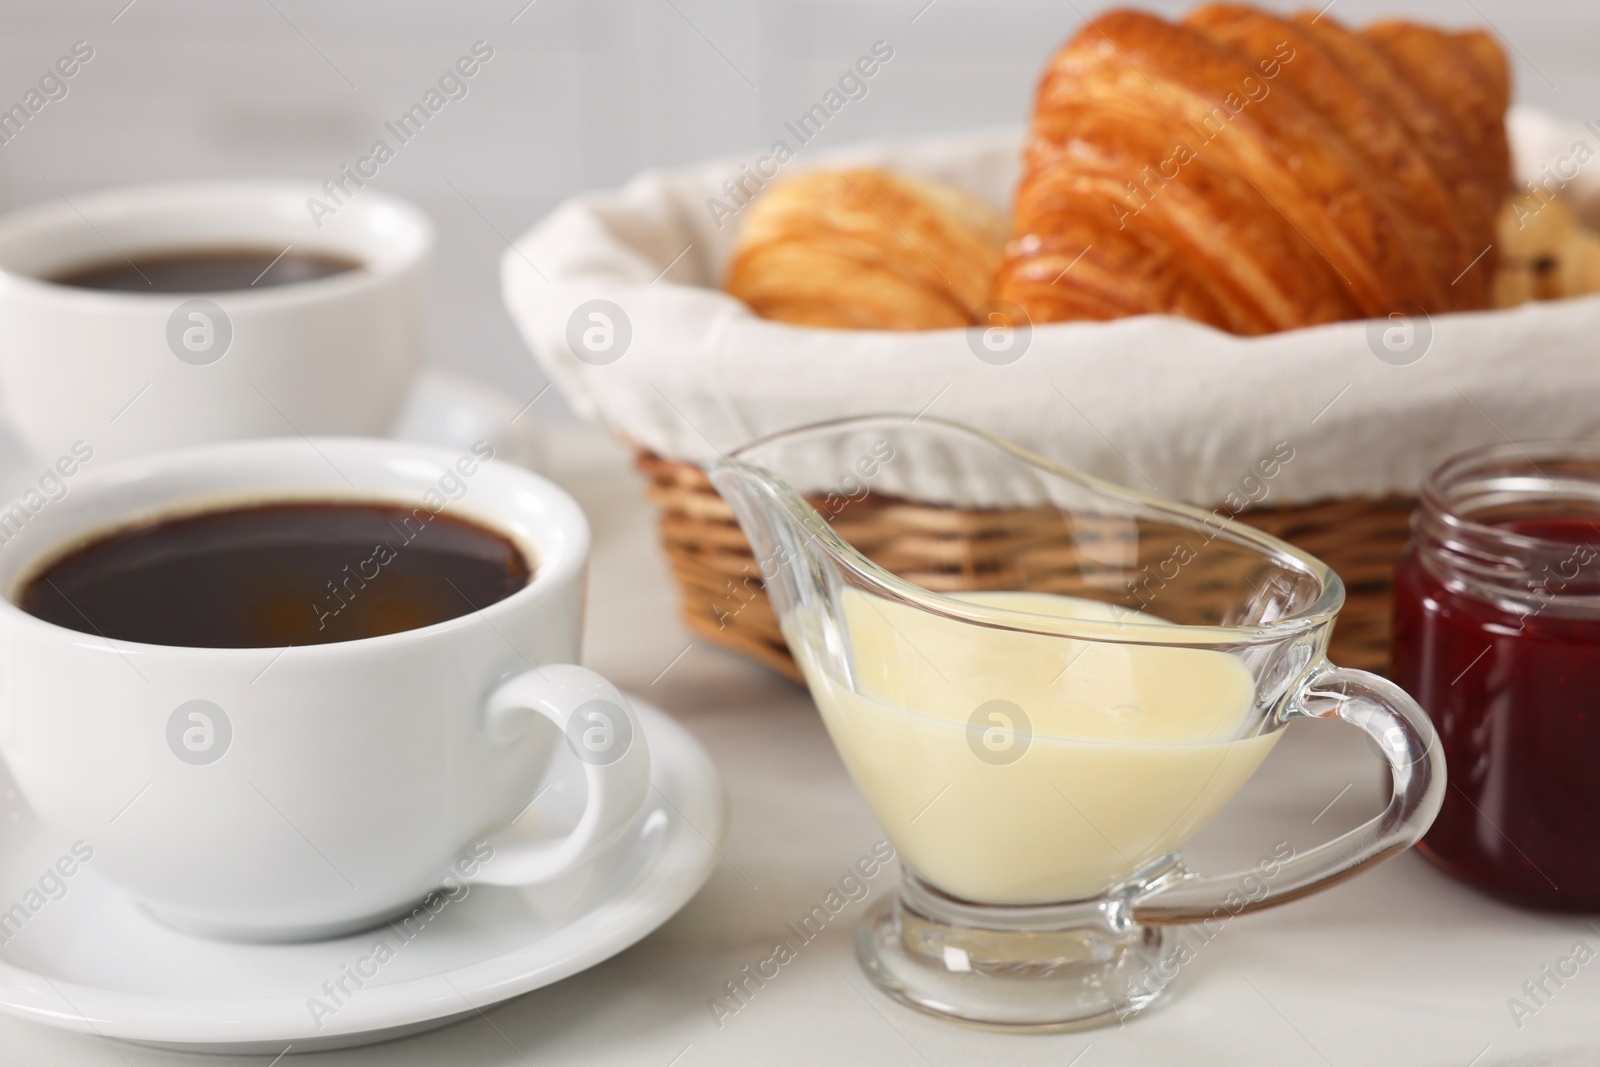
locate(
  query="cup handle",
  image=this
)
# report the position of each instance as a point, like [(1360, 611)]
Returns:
[(602, 731), (1403, 733)]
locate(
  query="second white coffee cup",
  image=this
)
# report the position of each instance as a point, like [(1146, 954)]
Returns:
[(128, 373)]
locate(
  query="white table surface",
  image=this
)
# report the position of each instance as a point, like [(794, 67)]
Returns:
[(1400, 966)]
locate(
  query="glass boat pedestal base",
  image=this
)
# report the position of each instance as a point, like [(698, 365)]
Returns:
[(1018, 968)]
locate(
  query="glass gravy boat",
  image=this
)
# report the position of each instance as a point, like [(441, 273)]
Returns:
[(1044, 684)]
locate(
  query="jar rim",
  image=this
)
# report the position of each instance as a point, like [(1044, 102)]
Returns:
[(1434, 488), (1493, 555)]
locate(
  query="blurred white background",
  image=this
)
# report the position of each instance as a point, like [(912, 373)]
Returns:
[(579, 94)]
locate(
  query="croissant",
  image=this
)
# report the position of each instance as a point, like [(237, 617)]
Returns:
[(1260, 173), (866, 250)]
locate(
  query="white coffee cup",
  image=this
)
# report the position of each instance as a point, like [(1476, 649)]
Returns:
[(271, 794), (130, 373)]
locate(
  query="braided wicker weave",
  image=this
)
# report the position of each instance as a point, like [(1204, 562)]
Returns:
[(722, 599)]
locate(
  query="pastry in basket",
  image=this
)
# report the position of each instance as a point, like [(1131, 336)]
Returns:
[(1545, 252), (1260, 173), (866, 250)]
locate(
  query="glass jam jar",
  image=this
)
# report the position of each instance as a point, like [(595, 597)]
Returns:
[(1497, 636)]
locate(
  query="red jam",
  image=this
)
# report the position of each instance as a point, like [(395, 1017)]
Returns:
[(1497, 635)]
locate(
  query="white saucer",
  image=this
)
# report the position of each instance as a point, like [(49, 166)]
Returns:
[(92, 961)]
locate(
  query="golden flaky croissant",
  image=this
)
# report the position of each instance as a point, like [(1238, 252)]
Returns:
[(865, 250), (1260, 173)]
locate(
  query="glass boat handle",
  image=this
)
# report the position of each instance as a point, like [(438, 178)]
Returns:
[(1388, 715)]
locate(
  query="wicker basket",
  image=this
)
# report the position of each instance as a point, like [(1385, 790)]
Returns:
[(722, 601)]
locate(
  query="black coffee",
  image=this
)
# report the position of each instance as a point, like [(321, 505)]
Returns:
[(206, 270), (271, 575)]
